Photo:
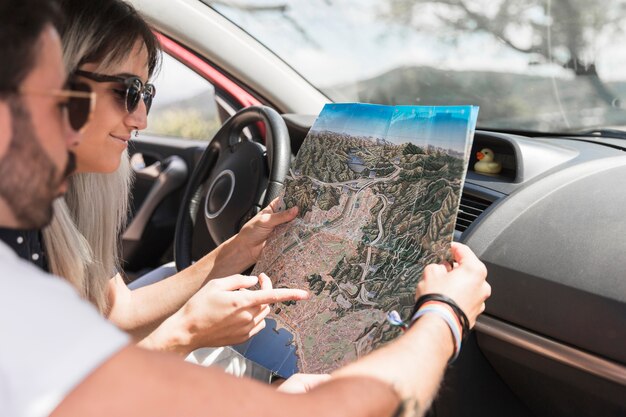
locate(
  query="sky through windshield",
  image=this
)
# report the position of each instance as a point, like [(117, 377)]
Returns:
[(526, 63)]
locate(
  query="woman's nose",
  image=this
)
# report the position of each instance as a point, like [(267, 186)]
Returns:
[(138, 120)]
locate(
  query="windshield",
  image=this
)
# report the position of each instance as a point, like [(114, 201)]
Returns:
[(531, 65)]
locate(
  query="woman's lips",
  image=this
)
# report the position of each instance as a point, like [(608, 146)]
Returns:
[(122, 139)]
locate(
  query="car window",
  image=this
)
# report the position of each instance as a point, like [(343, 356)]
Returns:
[(184, 105), (547, 66)]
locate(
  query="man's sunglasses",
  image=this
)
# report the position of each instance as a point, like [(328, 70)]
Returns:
[(135, 88), (79, 102)]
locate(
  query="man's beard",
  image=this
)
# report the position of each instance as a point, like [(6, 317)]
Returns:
[(29, 179)]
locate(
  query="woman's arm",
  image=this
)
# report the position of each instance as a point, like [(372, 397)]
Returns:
[(219, 315), (141, 311)]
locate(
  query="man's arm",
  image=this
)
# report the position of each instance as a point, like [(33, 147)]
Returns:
[(414, 364), (137, 382), (406, 372)]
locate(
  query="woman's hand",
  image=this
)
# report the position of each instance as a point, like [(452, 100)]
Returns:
[(253, 235), (225, 312)]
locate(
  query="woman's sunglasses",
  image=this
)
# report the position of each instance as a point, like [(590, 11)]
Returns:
[(79, 102), (135, 88)]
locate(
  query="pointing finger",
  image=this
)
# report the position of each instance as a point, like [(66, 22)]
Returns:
[(277, 295)]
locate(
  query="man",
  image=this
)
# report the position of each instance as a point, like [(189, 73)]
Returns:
[(60, 357)]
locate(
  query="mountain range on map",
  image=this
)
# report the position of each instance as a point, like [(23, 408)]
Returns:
[(378, 190)]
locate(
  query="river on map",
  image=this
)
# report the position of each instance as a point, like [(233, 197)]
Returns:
[(272, 349)]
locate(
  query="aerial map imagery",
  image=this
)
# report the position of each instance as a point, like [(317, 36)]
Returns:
[(378, 190)]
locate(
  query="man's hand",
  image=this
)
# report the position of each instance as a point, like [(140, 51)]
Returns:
[(225, 312), (301, 383), (253, 235), (465, 282)]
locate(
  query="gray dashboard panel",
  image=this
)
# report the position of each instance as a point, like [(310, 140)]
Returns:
[(554, 251)]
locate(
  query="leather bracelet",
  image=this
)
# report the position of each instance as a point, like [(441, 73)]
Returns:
[(446, 300)]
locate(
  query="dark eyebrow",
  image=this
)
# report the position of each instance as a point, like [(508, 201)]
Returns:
[(126, 75)]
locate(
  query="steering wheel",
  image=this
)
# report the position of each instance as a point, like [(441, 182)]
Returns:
[(233, 180)]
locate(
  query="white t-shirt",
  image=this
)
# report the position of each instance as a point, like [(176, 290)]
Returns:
[(50, 339)]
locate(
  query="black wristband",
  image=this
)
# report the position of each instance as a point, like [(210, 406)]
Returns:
[(446, 300)]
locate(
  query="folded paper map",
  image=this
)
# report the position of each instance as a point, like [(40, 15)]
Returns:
[(378, 189)]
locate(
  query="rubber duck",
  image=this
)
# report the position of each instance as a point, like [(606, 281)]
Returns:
[(486, 163)]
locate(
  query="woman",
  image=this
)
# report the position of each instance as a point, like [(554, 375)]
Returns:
[(108, 46)]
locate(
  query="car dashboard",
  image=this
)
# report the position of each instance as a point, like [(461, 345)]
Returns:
[(552, 235), (550, 228)]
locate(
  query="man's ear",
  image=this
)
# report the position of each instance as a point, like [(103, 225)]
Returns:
[(6, 127)]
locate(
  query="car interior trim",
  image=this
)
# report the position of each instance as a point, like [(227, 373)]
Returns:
[(239, 54), (550, 349), (207, 211), (207, 71), (170, 178)]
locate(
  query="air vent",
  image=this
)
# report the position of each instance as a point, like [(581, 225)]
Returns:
[(470, 208)]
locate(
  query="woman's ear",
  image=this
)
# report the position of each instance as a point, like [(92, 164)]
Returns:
[(6, 127)]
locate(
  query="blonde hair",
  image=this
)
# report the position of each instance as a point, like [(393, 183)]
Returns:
[(83, 240)]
